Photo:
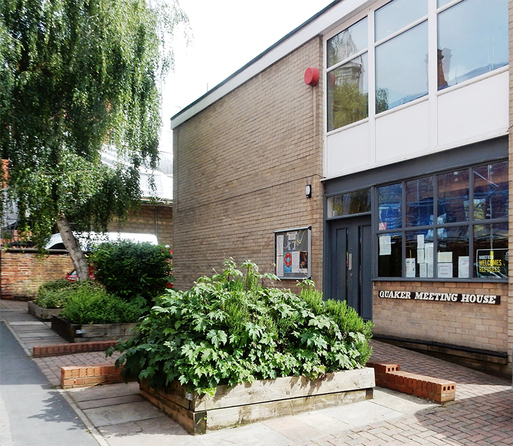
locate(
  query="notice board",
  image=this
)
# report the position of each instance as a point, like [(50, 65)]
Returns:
[(293, 253)]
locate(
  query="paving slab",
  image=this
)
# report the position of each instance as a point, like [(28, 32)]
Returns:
[(122, 413), (482, 413)]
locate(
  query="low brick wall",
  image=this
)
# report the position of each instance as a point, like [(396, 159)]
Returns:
[(89, 375), (390, 376), (42, 351), (23, 272)]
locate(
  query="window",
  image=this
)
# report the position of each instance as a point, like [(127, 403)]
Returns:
[(455, 225), (347, 82), (401, 62), (352, 203), (472, 40), (471, 37)]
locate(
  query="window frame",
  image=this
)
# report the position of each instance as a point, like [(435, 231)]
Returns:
[(433, 91), (470, 224)]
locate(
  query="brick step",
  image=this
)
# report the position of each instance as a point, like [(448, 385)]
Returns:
[(390, 376), (90, 375), (41, 351)]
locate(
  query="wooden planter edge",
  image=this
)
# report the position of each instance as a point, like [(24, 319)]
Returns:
[(261, 400)]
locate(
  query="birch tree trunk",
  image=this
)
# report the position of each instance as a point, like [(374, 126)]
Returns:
[(73, 247)]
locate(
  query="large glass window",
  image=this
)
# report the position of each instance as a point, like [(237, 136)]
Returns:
[(397, 15), (347, 76), (455, 225), (491, 191), (349, 42), (348, 93), (472, 40), (401, 68), (453, 197)]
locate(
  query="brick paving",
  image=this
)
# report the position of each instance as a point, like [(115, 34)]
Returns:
[(482, 413)]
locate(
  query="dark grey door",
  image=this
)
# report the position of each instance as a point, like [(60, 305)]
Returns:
[(351, 275)]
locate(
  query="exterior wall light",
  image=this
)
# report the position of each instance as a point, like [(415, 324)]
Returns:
[(308, 191)]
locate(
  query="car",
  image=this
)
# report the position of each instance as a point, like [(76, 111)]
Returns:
[(72, 276), (88, 239)]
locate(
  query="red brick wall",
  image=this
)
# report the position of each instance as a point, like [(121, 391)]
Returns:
[(22, 273)]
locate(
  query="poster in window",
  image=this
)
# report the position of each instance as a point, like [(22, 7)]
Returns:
[(292, 253), (492, 263)]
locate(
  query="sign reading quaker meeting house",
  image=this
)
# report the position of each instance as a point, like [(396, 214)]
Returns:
[(486, 299)]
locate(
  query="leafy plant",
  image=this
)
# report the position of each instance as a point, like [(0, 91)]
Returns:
[(231, 329), (54, 294), (135, 272), (91, 304)]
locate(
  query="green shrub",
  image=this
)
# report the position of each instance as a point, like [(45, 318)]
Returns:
[(230, 329), (53, 294), (91, 304), (135, 272)]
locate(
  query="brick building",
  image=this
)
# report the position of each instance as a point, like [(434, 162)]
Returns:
[(393, 166)]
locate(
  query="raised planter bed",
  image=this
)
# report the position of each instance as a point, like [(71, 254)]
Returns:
[(91, 332), (262, 400), (43, 314)]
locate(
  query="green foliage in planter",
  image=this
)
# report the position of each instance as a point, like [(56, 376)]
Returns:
[(91, 304), (54, 294), (230, 329), (135, 272)]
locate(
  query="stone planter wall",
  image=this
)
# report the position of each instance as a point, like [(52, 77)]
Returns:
[(91, 332), (262, 400), (43, 314)]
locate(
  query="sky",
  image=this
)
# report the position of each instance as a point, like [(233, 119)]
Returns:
[(226, 34)]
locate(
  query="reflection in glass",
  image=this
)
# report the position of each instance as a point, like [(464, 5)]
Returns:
[(419, 251), (389, 203), (453, 249), (402, 68), (350, 41), (351, 203), (396, 15), (390, 255), (348, 93), (491, 191), (491, 251), (472, 40), (419, 202), (453, 197)]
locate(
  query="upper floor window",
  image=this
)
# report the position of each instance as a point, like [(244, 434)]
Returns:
[(471, 39), (347, 83)]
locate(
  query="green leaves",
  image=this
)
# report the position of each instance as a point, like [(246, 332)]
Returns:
[(231, 329), (77, 78)]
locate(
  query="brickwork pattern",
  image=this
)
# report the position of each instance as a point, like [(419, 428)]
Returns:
[(478, 326), (391, 377), (90, 375), (149, 219), (41, 351), (241, 167), (22, 273)]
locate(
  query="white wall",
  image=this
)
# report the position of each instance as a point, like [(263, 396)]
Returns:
[(469, 112)]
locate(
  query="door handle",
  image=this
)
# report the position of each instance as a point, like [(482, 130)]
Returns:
[(349, 261)]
